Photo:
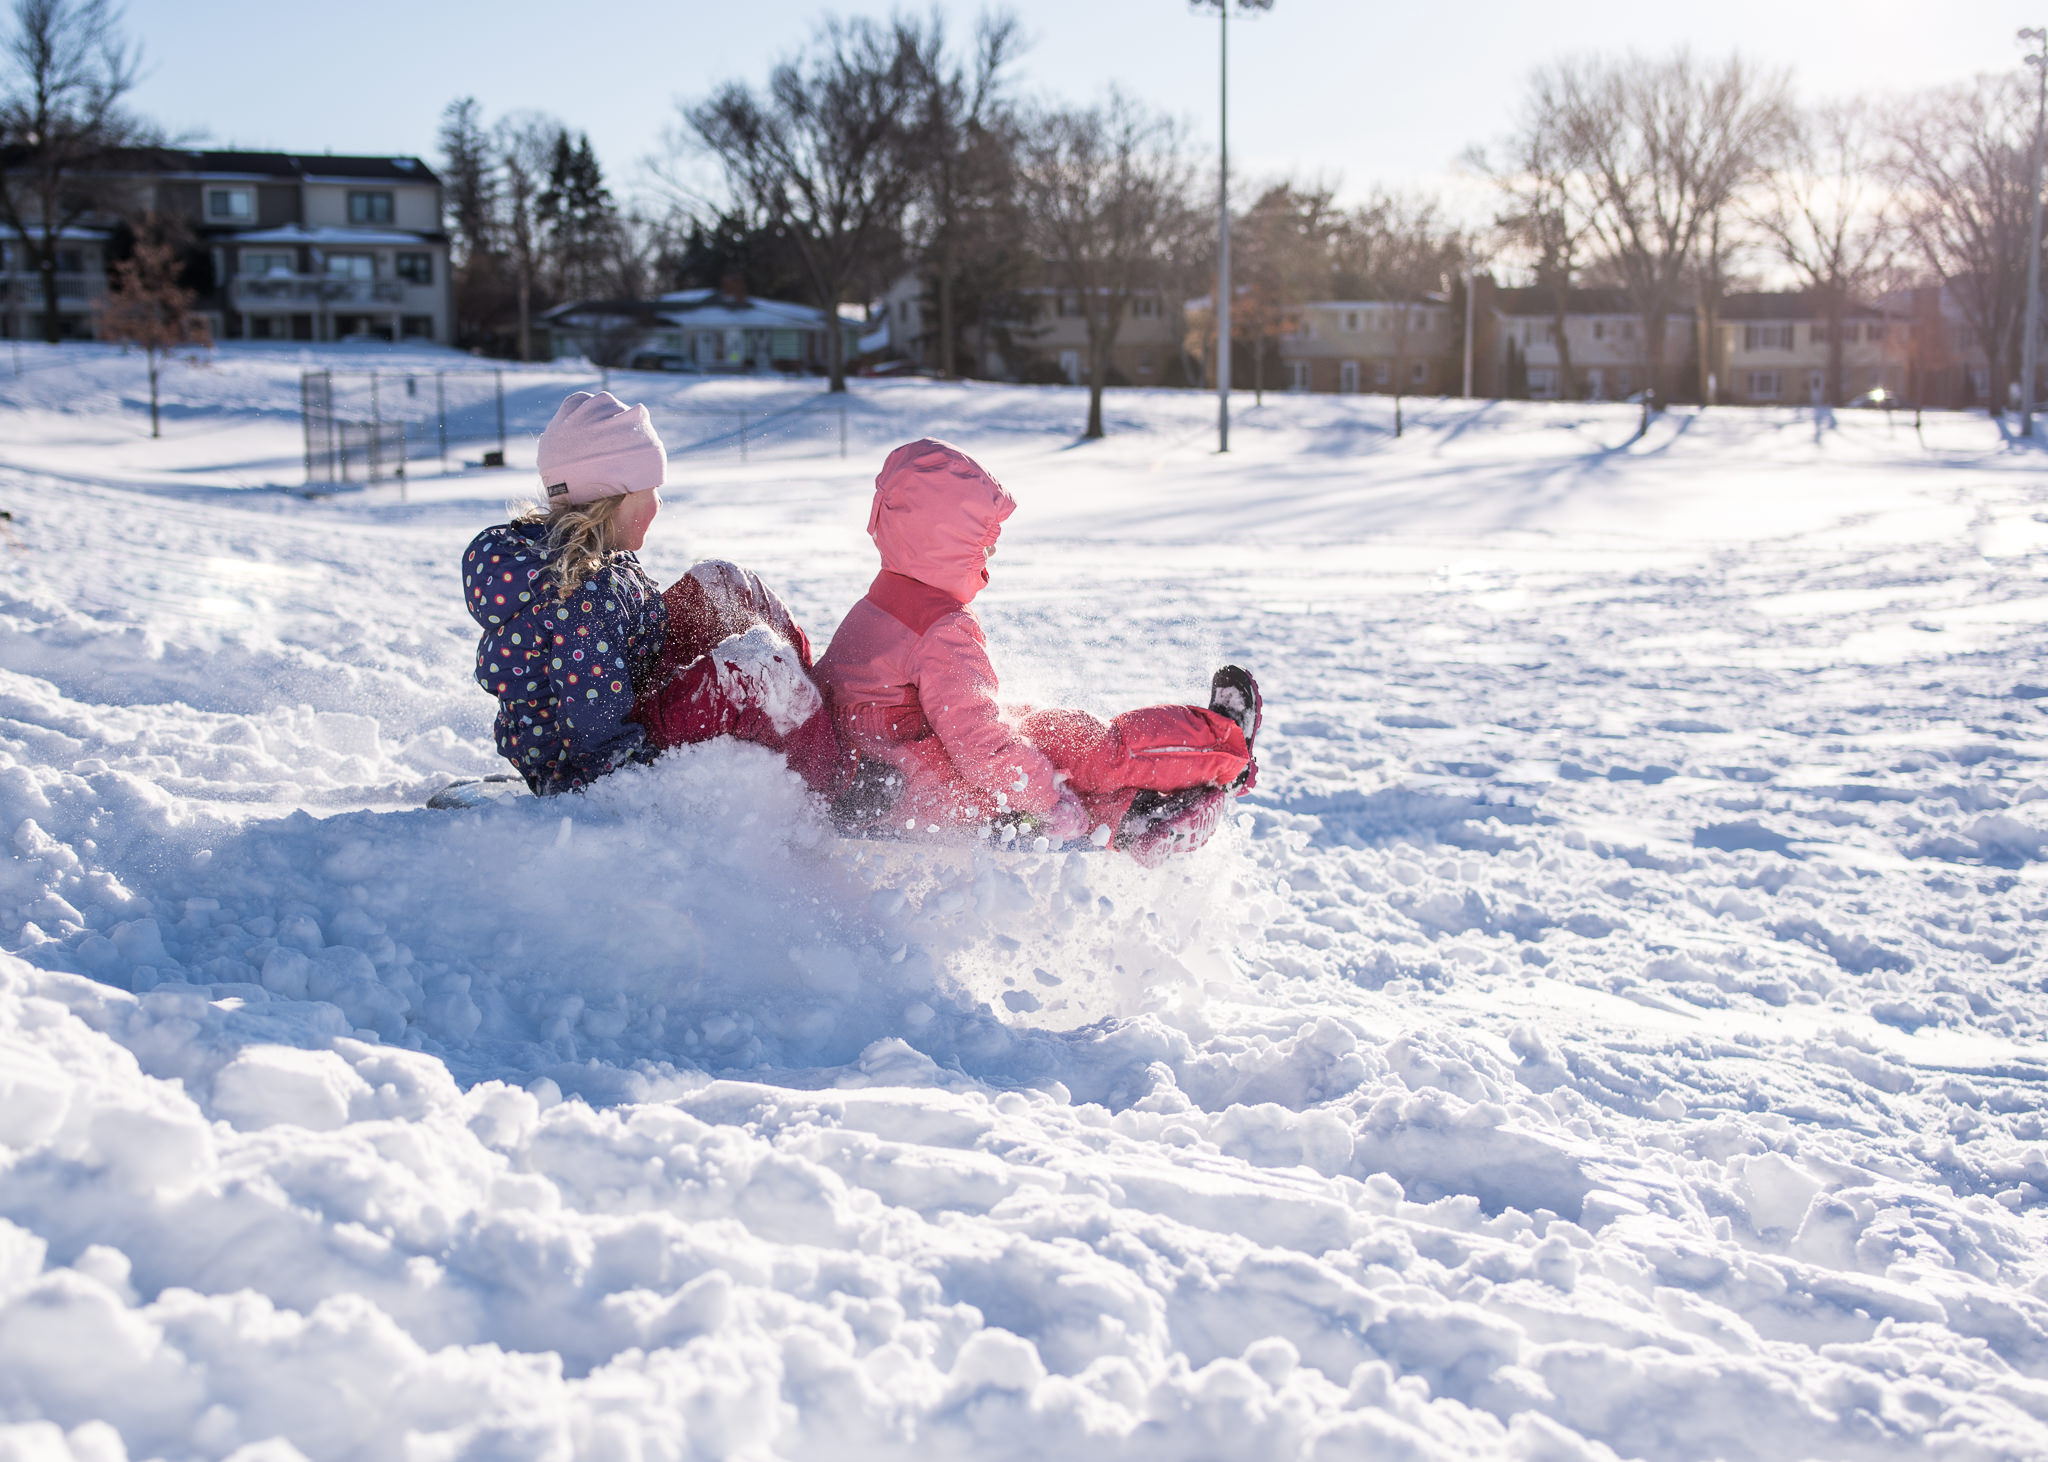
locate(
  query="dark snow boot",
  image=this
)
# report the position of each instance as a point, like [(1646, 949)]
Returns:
[(1162, 824), (1233, 693)]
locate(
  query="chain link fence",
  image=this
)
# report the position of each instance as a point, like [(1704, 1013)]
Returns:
[(364, 427)]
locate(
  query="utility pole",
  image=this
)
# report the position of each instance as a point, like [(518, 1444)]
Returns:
[(1469, 281), (1222, 8), (2030, 349)]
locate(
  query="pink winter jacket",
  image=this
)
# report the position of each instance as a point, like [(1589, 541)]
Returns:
[(908, 670)]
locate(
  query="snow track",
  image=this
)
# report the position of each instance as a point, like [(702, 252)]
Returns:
[(1614, 1027)]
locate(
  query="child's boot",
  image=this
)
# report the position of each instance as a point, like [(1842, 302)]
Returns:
[(1233, 693)]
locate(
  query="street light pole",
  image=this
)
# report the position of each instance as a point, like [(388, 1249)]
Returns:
[(1222, 8), (2030, 350), (1469, 282), (1223, 226)]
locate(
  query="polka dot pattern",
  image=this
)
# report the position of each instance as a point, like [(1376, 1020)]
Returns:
[(563, 673)]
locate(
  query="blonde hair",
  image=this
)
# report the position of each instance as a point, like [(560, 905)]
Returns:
[(582, 537)]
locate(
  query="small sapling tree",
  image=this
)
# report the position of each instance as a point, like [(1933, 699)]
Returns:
[(150, 309)]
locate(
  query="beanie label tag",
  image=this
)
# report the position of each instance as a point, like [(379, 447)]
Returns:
[(558, 489)]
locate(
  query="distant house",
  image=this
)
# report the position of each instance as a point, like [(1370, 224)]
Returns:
[(1603, 336), (1774, 348), (282, 246), (1351, 346), (713, 330)]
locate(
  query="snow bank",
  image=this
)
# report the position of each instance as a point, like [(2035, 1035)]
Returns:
[(1610, 1030)]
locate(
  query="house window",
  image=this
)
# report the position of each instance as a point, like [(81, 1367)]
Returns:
[(1070, 306), (1418, 373), (1542, 384), (1766, 337), (268, 261), (352, 266), (369, 207), (1070, 366), (1144, 362), (1766, 385), (1145, 307), (1599, 329), (415, 268), (1351, 323), (1347, 376), (417, 327), (1297, 375), (230, 205), (785, 345), (1849, 334), (1874, 332), (71, 261), (1380, 375)]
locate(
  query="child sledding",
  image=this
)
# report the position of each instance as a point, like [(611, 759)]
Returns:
[(897, 726)]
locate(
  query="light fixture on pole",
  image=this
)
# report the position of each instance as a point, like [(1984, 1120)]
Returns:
[(2030, 349), (1222, 9)]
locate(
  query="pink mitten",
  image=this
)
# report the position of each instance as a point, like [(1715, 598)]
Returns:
[(1067, 820)]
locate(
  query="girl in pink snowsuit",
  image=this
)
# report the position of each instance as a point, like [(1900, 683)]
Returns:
[(911, 685)]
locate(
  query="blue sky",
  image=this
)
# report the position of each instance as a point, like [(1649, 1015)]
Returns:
[(1347, 90)]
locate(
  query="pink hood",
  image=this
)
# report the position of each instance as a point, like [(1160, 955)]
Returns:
[(936, 514)]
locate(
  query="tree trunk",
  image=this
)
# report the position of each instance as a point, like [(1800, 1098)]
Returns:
[(1653, 343), (525, 314), (835, 346), (1397, 403), (1836, 386), (154, 429), (1097, 361), (947, 362), (49, 273), (1566, 391), (1259, 371)]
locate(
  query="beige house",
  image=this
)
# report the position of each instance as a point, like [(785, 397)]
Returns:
[(1349, 346), (1774, 348), (288, 247)]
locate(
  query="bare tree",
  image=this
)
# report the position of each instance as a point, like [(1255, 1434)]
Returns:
[(150, 308), (1961, 162), (1665, 147), (1547, 215), (1106, 192), (61, 122), (1282, 257), (1399, 249), (525, 147), (1827, 215), (969, 158), (831, 150)]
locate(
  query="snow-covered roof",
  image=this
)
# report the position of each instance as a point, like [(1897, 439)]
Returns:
[(293, 233)]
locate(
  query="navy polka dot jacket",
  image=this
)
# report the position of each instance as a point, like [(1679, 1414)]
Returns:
[(565, 672)]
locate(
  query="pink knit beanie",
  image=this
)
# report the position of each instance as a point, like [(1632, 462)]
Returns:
[(597, 446)]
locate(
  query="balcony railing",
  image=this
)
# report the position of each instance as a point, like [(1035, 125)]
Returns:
[(319, 289)]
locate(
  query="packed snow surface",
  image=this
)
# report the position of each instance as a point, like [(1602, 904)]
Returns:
[(1613, 1028)]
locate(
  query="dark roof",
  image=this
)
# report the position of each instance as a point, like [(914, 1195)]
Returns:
[(1542, 300), (1801, 304), (282, 165)]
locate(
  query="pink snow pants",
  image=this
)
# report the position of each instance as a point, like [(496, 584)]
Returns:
[(1153, 749)]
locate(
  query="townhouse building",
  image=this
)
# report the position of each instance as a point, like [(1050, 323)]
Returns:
[(1774, 349), (281, 246), (1605, 350), (1352, 346), (1049, 342)]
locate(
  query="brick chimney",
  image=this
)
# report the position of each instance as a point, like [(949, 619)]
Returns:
[(733, 288)]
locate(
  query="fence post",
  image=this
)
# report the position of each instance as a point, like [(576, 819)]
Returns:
[(842, 428), (401, 459), (501, 413), (306, 419), (376, 433), (441, 412)]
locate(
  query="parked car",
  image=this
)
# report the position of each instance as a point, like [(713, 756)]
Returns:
[(649, 360), (1876, 399)]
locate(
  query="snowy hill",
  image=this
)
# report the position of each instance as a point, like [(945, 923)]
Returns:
[(1614, 1027)]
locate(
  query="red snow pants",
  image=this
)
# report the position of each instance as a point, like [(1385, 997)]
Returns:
[(705, 686), (1153, 749)]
